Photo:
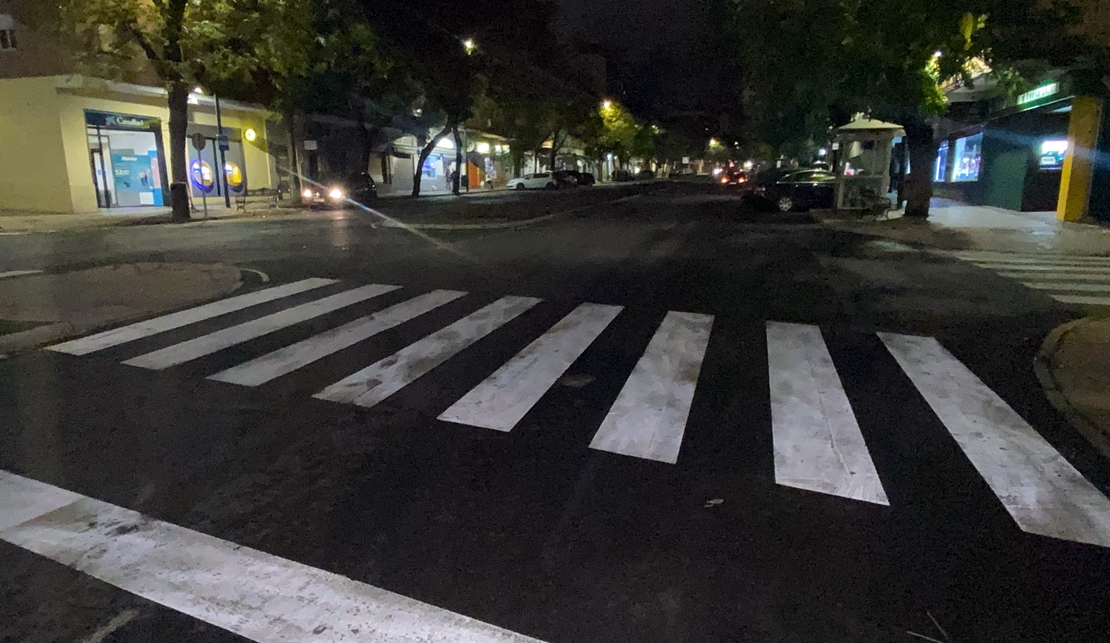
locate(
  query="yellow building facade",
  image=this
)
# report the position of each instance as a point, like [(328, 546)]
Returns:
[(73, 144)]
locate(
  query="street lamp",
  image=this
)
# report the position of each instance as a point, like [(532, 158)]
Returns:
[(469, 45), (606, 104)]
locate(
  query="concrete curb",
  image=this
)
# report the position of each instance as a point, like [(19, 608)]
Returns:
[(49, 333), (1042, 366)]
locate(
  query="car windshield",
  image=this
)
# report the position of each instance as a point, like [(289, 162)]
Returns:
[(555, 321)]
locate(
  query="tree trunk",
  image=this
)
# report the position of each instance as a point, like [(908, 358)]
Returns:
[(424, 154), (179, 164), (294, 157), (458, 161), (555, 145), (919, 182), (365, 135)]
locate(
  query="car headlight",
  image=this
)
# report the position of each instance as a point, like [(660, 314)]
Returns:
[(724, 179), (336, 193), (307, 193)]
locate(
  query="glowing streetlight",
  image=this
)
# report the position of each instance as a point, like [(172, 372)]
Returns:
[(469, 45), (606, 104)]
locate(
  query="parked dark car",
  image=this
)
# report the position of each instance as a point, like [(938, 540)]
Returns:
[(645, 175), (620, 176), (566, 178), (791, 190), (585, 178), (358, 188)]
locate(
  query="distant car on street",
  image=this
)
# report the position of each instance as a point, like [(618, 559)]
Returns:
[(585, 178), (536, 181), (645, 175), (620, 176), (732, 177), (358, 188), (791, 190)]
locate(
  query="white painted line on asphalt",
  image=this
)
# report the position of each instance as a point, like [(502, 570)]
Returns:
[(1029, 278), (1039, 268), (384, 378), (503, 398), (125, 334), (288, 359), (111, 627), (1032, 258), (818, 443), (256, 595), (1043, 493), (1082, 300), (18, 273), (1060, 286), (221, 339), (648, 419)]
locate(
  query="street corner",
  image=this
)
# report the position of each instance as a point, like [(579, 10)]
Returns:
[(1073, 365), (38, 307)]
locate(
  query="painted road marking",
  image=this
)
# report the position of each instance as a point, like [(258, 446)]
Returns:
[(384, 378), (503, 398), (118, 336), (18, 273), (649, 416), (1080, 299), (221, 339), (288, 359), (1032, 270), (818, 444), (1076, 287), (1043, 493), (1007, 257), (250, 593)]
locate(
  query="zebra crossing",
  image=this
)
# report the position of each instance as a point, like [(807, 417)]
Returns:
[(1070, 279), (817, 441)]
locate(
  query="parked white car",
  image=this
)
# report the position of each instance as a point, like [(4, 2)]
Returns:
[(538, 181)]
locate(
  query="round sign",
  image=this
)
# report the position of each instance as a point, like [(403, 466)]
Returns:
[(234, 177), (201, 173)]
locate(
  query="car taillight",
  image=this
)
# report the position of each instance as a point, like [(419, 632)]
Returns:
[(724, 179)]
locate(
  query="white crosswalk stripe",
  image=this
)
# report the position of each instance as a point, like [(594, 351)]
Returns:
[(228, 337), (505, 397), (649, 416), (118, 336), (1070, 279), (818, 444), (378, 381), (1042, 492), (288, 359)]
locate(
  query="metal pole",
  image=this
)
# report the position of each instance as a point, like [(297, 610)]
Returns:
[(223, 158)]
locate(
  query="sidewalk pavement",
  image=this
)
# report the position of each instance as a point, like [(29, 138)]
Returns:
[(478, 209), (44, 308), (1074, 368), (956, 226)]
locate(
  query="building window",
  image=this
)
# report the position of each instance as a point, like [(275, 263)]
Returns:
[(940, 169), (967, 155), (7, 32)]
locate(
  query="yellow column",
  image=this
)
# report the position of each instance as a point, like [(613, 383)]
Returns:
[(1075, 183)]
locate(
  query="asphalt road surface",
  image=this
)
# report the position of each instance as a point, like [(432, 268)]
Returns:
[(663, 419)]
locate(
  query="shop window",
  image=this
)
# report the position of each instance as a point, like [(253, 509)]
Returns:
[(7, 32), (940, 168), (1053, 152), (967, 155)]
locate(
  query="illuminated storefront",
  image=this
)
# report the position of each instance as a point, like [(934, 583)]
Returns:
[(92, 145), (1014, 158)]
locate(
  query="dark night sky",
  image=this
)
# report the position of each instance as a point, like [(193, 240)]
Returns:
[(670, 55)]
